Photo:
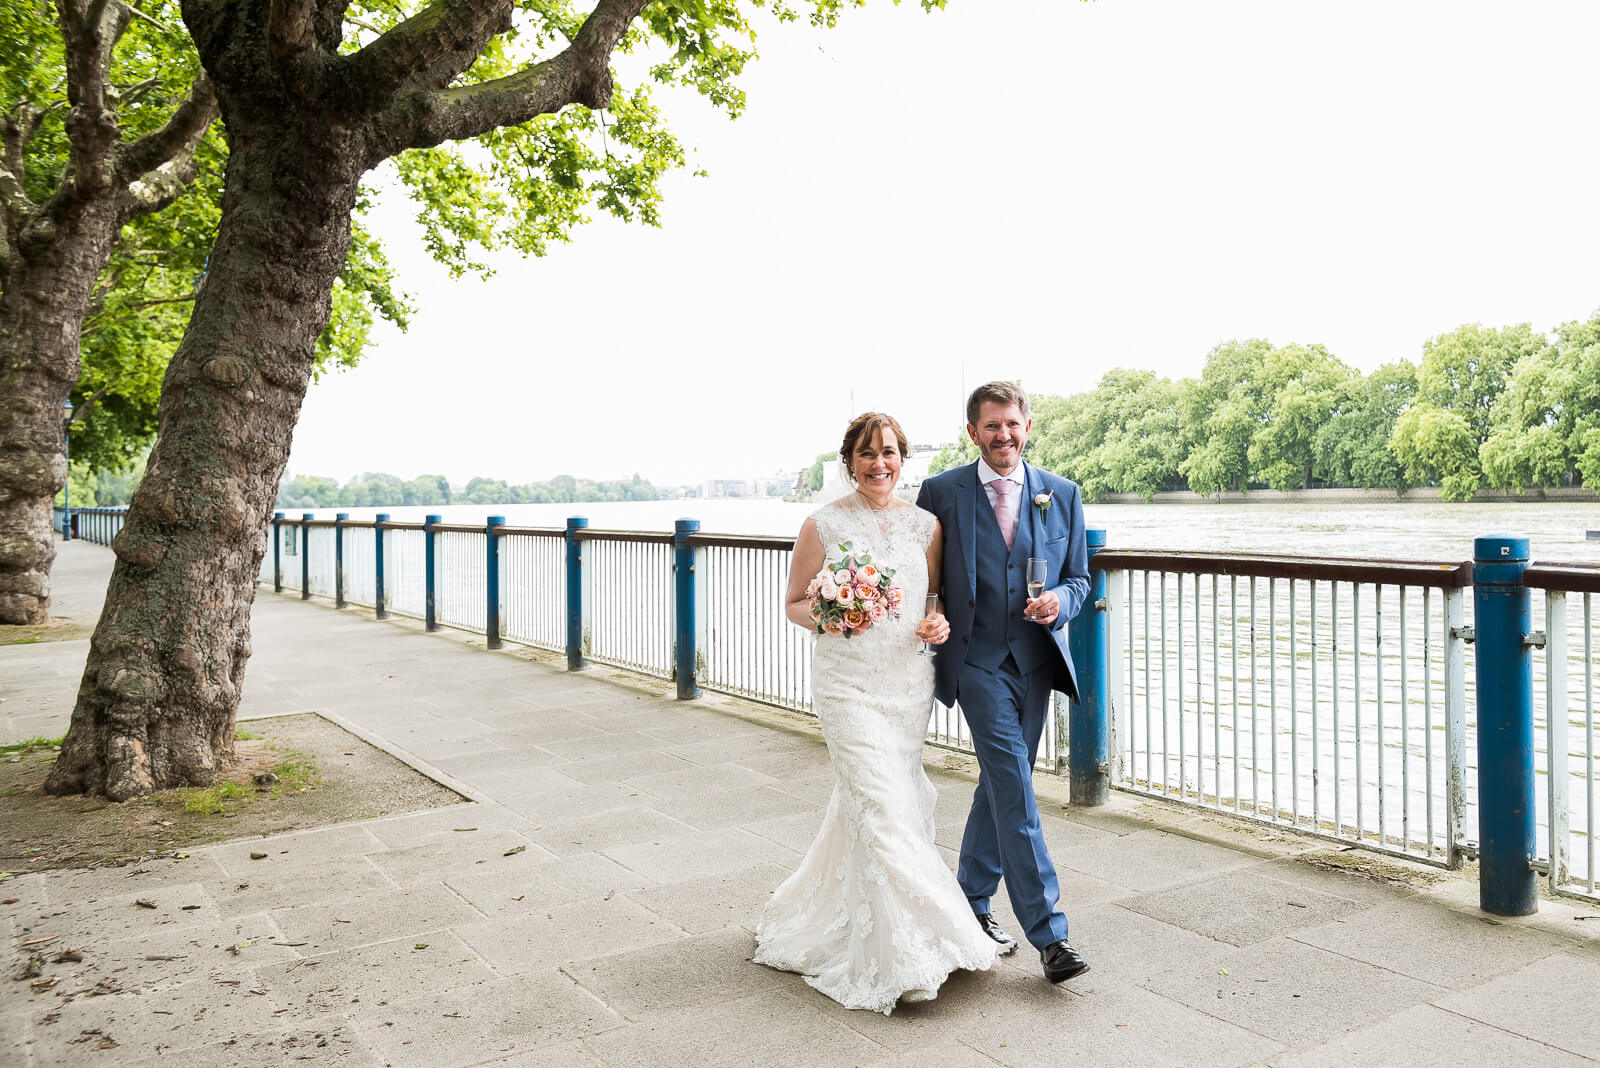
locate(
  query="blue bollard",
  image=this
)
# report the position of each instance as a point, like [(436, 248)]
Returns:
[(429, 619), (1088, 748), (277, 552), (491, 571), (305, 555), (683, 566), (575, 661), (379, 604), (338, 558), (1507, 883)]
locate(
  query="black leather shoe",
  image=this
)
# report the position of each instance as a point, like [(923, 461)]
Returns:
[(1008, 945), (1061, 962)]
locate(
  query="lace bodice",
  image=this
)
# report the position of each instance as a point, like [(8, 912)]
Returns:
[(896, 538)]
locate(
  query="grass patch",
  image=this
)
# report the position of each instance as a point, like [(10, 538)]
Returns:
[(31, 744), (295, 776), (213, 800), (245, 736)]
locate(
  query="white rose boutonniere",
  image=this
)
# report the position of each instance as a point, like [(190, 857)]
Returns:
[(1041, 501)]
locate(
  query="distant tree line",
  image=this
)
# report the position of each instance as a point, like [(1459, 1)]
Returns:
[(1507, 408), (378, 489)]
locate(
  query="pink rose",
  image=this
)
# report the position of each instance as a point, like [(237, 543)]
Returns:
[(846, 596), (865, 592), (878, 612)]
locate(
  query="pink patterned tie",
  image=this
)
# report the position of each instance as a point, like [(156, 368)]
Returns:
[(1005, 508)]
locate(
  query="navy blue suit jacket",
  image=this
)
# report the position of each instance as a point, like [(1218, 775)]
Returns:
[(1058, 536)]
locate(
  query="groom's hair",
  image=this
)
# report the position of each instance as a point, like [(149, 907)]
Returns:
[(865, 427), (1006, 393)]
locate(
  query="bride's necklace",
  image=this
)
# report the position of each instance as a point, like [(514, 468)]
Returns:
[(870, 506)]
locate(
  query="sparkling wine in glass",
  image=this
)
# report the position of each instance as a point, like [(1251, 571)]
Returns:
[(1038, 568), (929, 608)]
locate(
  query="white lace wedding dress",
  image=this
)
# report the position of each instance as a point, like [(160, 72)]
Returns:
[(873, 912)]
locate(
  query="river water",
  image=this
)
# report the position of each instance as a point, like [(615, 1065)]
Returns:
[(1389, 529)]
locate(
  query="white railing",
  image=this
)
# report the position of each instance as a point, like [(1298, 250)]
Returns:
[(1566, 664)]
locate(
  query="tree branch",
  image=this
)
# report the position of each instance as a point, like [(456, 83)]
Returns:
[(579, 74), (89, 33), (429, 49), (179, 135)]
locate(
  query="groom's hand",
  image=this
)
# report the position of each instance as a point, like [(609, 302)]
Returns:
[(1043, 609)]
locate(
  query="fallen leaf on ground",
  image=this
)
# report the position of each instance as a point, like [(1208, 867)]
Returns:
[(258, 856), (69, 955), (41, 940), (146, 903), (514, 849)]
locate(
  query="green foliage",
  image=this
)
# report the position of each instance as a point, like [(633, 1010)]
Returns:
[(213, 800), (83, 484), (1351, 448), (1465, 370), (1540, 424), (962, 452), (813, 475), (378, 489), (1433, 445)]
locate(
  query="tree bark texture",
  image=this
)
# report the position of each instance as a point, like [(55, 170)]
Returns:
[(41, 315), (51, 255), (163, 679)]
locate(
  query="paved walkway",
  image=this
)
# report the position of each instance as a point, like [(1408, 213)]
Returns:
[(650, 832)]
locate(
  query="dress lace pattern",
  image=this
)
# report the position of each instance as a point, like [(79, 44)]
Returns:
[(873, 911)]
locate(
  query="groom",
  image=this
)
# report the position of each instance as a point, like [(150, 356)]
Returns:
[(1005, 654)]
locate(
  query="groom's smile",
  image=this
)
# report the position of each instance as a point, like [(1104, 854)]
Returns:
[(1000, 434)]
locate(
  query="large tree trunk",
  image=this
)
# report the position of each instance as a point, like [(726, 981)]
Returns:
[(41, 316), (162, 683)]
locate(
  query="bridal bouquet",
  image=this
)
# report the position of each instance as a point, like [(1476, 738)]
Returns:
[(850, 594)]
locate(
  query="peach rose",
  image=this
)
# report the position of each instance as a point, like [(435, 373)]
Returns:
[(868, 573), (846, 596), (855, 618), (865, 592), (832, 627)]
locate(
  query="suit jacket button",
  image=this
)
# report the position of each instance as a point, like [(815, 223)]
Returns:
[(971, 603)]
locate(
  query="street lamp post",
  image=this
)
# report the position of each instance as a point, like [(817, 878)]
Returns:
[(66, 448)]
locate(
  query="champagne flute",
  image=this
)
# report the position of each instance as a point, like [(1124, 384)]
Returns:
[(1038, 568), (930, 607)]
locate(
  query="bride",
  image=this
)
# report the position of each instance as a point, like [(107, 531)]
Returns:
[(873, 915)]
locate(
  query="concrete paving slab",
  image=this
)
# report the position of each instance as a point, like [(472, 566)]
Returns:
[(1536, 1001), (469, 1025), (561, 934), (290, 885), (731, 899), (701, 854), (698, 781), (606, 746), (751, 1032), (1429, 1037), (725, 808), (623, 826), (113, 917), (1123, 1025), (947, 1054), (565, 1055), (706, 970), (327, 1041), (608, 767), (540, 884), (1439, 946), (1149, 860), (413, 828), (788, 763), (1291, 992), (374, 917), (1124, 947), (1241, 907), (341, 983), (166, 958), (546, 808), (487, 847), (706, 730), (510, 759), (815, 789), (794, 832), (306, 847)]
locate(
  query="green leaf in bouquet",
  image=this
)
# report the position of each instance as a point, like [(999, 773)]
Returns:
[(846, 546), (866, 559)]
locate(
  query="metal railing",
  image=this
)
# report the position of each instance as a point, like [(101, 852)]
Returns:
[(1324, 697), (97, 525), (1565, 666), (1333, 698)]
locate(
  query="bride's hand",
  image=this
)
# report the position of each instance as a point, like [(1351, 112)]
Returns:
[(934, 629)]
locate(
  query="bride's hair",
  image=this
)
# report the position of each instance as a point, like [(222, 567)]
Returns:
[(865, 427)]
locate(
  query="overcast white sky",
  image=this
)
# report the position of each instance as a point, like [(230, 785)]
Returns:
[(915, 203)]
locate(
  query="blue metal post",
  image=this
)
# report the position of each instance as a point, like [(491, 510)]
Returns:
[(378, 602), (491, 571), (1507, 883), (429, 621), (575, 660), (277, 552), (1088, 749), (338, 558), (305, 554), (683, 565)]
